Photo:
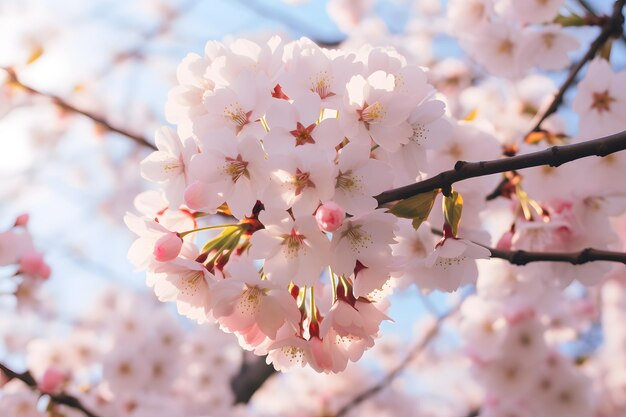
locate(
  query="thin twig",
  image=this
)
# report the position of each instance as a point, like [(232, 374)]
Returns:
[(522, 257), (553, 156), (589, 9), (13, 79), (613, 27), (61, 399), (162, 28), (298, 26), (413, 353)]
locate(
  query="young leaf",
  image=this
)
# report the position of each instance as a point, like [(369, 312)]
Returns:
[(417, 207), (452, 209)]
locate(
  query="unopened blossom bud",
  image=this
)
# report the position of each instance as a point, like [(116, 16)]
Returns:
[(52, 381), (22, 220), (506, 241), (31, 263), (330, 216), (44, 271), (167, 247)]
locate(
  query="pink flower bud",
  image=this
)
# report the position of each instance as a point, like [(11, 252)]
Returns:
[(52, 381), (31, 262), (330, 216), (506, 241), (44, 271), (22, 220), (167, 247)]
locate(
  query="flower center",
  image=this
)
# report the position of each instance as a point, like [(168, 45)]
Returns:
[(303, 134), (320, 84), (346, 181), (301, 181), (190, 283), (602, 101), (293, 242), (419, 133), (292, 353), (506, 47), (250, 300), (236, 168), (548, 39), (371, 114), (236, 114), (358, 238)]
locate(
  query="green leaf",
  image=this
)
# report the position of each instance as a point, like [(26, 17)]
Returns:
[(570, 20), (452, 210), (417, 207)]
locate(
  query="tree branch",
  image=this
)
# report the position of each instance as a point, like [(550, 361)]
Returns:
[(413, 353), (13, 79), (162, 28), (251, 376), (298, 26), (521, 257), (61, 399), (554, 156), (589, 9), (613, 27)]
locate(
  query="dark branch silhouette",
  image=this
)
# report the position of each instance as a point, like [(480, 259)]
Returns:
[(13, 79), (413, 354), (61, 399), (589, 9), (521, 257), (553, 156), (251, 376), (613, 27)]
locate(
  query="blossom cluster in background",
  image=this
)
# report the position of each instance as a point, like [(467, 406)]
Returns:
[(257, 213)]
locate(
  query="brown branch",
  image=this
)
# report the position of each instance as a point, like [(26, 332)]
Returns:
[(61, 399), (589, 9), (554, 156), (413, 353), (613, 27), (250, 378), (521, 257), (13, 79)]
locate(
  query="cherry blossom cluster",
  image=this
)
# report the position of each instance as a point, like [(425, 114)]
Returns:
[(607, 364), (294, 141), (512, 330), (116, 365), (509, 37), (23, 261)]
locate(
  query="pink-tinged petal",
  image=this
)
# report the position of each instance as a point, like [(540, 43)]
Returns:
[(390, 138), (161, 166), (200, 197), (281, 114), (263, 244), (167, 247), (308, 106)]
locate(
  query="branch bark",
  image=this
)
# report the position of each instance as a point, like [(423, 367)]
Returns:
[(521, 257), (413, 353), (251, 376), (589, 9), (554, 156), (613, 27), (61, 399), (13, 79)]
